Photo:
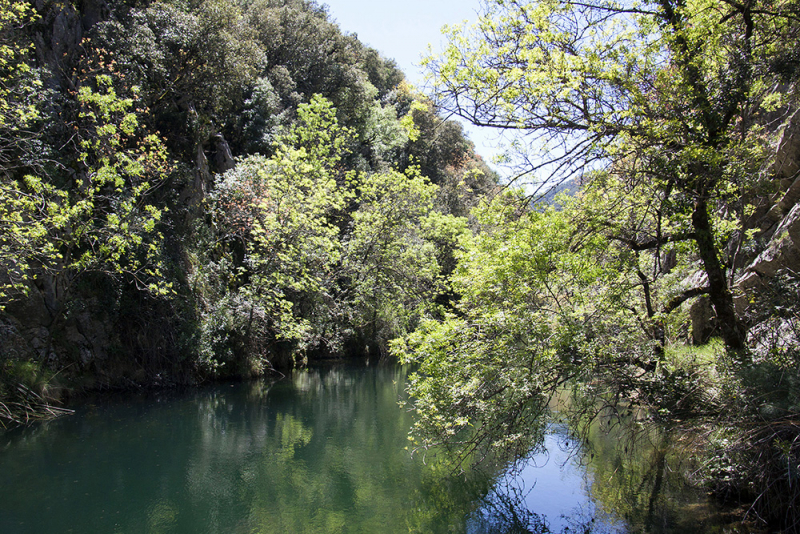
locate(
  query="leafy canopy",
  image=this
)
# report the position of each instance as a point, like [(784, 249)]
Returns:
[(658, 110)]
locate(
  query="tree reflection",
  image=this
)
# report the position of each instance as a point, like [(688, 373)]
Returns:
[(505, 511), (641, 472), (322, 451), (636, 477), (352, 473)]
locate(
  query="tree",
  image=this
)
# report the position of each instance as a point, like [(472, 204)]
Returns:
[(72, 210), (395, 255), (280, 214), (88, 212), (20, 89), (193, 62), (667, 92), (318, 258), (661, 113), (20, 136), (97, 218), (541, 304)]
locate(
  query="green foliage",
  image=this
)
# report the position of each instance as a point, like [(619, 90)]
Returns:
[(384, 134), (204, 56), (442, 152), (281, 210), (664, 93), (553, 297), (118, 199), (19, 82), (661, 112), (110, 215), (319, 258), (524, 325), (392, 256), (655, 107), (102, 221)]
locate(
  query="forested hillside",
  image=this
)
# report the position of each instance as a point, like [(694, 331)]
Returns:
[(202, 189)]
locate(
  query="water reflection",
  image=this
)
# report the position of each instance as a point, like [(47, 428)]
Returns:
[(322, 452), (625, 476), (641, 473), (548, 492)]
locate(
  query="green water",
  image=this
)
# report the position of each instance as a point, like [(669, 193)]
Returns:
[(323, 451)]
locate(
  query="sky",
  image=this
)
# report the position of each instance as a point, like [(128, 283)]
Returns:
[(402, 30)]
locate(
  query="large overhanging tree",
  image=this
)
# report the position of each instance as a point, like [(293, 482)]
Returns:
[(672, 93)]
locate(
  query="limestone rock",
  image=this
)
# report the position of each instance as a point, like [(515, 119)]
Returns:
[(787, 156), (204, 171), (703, 320), (785, 169), (223, 158), (783, 250)]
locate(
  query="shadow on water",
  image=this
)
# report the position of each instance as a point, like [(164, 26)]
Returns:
[(321, 451)]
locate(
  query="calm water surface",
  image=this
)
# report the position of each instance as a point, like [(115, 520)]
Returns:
[(321, 452)]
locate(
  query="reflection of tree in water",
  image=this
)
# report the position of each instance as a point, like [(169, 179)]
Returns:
[(639, 473), (321, 451), (635, 475), (349, 470), (505, 511)]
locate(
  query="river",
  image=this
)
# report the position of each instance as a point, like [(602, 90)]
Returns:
[(322, 451)]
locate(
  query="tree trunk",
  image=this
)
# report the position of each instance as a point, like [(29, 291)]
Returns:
[(732, 330)]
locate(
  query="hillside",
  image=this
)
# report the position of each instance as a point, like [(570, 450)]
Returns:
[(205, 189)]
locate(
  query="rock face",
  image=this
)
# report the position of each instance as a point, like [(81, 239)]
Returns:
[(781, 225), (62, 28), (755, 290), (211, 157), (784, 169), (783, 250), (55, 325), (787, 159)]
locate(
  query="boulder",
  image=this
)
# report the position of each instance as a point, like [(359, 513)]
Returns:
[(223, 158), (703, 320), (784, 169), (783, 250)]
